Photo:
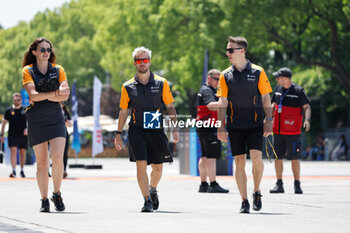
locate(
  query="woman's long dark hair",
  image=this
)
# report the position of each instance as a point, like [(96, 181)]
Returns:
[(29, 57)]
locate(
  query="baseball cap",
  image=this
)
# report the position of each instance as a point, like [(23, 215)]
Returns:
[(275, 74), (283, 72)]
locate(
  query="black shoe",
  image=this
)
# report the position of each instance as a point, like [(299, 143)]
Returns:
[(148, 206), (155, 200), (257, 201), (297, 188), (245, 207), (203, 188), (45, 205), (216, 189), (49, 174), (22, 174), (58, 201), (278, 188)]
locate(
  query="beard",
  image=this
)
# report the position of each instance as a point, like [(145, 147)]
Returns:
[(17, 105), (142, 70)]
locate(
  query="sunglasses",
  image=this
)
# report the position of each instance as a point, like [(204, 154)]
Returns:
[(216, 79), (16, 100), (232, 50), (43, 50), (144, 60)]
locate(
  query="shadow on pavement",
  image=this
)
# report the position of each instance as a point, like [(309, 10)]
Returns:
[(67, 212), (264, 213), (169, 212)]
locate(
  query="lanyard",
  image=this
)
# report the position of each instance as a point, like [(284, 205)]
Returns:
[(282, 97)]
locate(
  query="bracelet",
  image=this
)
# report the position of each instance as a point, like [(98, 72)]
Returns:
[(118, 132)]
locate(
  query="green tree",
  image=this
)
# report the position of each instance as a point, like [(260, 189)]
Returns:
[(186, 29), (93, 37), (311, 33)]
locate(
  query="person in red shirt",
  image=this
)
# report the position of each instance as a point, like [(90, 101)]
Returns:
[(210, 145), (289, 101)]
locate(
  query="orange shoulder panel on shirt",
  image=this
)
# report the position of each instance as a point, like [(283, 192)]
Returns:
[(222, 88), (167, 96), (264, 83), (63, 76), (124, 99), (26, 77)]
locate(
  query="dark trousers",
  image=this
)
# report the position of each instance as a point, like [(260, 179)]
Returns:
[(65, 155)]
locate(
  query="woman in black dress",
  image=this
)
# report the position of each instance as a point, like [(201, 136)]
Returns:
[(46, 84)]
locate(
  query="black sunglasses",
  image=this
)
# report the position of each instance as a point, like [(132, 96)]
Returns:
[(232, 50), (216, 79), (43, 50)]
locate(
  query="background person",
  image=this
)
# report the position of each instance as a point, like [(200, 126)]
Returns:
[(146, 93), (290, 101), (46, 84), (341, 149), (317, 150), (17, 134), (68, 123), (210, 145)]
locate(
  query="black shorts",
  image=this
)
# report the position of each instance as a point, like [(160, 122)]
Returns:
[(21, 142), (242, 140), (210, 145), (289, 145), (149, 145)]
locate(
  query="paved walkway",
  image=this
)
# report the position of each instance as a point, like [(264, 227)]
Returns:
[(109, 200)]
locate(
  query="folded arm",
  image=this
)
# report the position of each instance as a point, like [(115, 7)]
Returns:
[(62, 93)]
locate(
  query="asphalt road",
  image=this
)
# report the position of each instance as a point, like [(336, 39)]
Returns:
[(109, 200)]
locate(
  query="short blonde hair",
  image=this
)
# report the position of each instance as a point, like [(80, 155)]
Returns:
[(16, 95), (213, 71), (141, 49)]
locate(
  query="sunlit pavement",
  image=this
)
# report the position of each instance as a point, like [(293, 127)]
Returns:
[(109, 200)]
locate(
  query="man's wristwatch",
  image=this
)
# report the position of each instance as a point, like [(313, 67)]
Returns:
[(118, 132), (269, 118), (308, 119)]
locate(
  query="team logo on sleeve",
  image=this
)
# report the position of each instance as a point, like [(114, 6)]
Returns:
[(152, 120)]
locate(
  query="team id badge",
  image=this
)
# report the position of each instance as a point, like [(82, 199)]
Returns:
[(279, 110)]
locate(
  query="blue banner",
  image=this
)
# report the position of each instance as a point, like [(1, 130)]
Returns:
[(194, 157), (25, 98), (76, 141)]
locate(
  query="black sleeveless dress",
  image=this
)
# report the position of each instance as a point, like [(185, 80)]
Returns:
[(45, 119)]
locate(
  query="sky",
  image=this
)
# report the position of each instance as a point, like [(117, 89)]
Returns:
[(13, 11)]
